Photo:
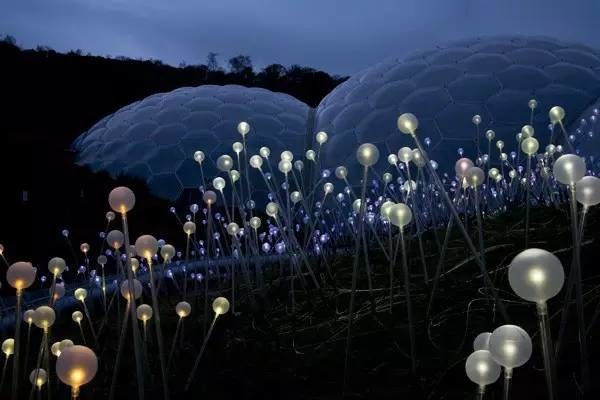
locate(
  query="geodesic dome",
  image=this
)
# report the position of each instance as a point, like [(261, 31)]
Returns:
[(154, 139), (446, 86)]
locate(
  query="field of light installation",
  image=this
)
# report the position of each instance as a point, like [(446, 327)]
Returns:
[(429, 262)]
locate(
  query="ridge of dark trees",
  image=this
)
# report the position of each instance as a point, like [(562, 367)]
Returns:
[(49, 98)]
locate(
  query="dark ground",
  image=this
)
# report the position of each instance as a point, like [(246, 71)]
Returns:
[(270, 352)]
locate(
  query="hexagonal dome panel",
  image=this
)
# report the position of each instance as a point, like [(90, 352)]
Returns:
[(154, 139), (445, 86)]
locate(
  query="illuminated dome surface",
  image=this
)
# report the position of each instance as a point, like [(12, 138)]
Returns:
[(154, 139), (447, 85), (495, 77)]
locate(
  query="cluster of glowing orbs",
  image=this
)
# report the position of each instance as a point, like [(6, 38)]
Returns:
[(233, 228), (527, 131), (408, 123), (284, 166), (189, 228), (44, 317), (59, 290), (532, 104), (8, 347), (569, 169), (137, 289), (556, 114), (418, 158), (183, 309), (481, 368), (256, 161), (199, 156), (84, 248), (146, 246), (356, 205), (234, 175), (219, 183), (65, 344), (264, 152), (536, 275), (115, 239), (38, 377), (209, 197), (287, 155), (482, 341), (386, 209), (400, 215), (510, 346), (80, 294), (392, 159), (220, 305), (77, 316), (475, 177), (255, 222), (76, 366), (135, 264), (121, 199), (341, 172), (321, 137), (587, 191), (56, 266), (144, 312), (28, 316), (243, 128), (21, 275), (224, 163), (55, 349), (167, 252), (405, 155), (367, 154), (530, 146), (295, 196), (272, 209), (462, 166), (237, 147)]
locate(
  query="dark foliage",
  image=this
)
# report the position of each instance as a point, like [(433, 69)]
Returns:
[(50, 98)]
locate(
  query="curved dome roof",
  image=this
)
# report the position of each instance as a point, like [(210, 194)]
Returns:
[(449, 84), (154, 139)]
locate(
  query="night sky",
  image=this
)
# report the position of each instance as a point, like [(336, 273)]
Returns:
[(337, 36)]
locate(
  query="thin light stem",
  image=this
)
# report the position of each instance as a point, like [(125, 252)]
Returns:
[(157, 328), (117, 364), (544, 325), (15, 377), (461, 227), (174, 343), (438, 270), (527, 200), (354, 282), (411, 326), (197, 361), (506, 388), (89, 319), (82, 333), (579, 291), (135, 328), (3, 373)]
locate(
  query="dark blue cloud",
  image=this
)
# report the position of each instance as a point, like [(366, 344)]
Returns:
[(337, 36)]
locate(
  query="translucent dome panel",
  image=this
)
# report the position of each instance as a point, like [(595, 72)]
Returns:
[(445, 86), (154, 139)]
